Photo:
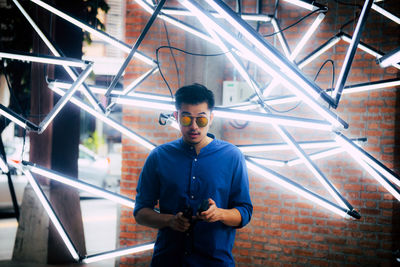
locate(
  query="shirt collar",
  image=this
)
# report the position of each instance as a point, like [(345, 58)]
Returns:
[(191, 149)]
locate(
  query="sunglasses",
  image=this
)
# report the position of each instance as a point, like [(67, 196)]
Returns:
[(187, 121)]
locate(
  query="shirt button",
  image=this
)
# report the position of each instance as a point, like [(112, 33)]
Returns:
[(191, 147), (194, 177), (191, 196), (195, 159)]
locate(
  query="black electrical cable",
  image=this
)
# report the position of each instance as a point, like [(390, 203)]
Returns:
[(237, 125), (333, 70), (172, 54), (297, 22), (183, 51)]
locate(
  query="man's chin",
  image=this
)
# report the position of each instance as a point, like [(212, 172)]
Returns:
[(192, 141)]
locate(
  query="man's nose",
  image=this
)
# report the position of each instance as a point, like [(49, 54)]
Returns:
[(194, 125)]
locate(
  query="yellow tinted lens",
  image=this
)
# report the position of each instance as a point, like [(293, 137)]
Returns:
[(186, 121), (201, 121)]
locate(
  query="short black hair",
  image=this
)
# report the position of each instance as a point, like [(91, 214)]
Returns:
[(194, 94)]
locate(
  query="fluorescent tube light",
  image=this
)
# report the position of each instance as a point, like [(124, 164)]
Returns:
[(298, 189), (362, 154), (95, 190), (365, 161), (150, 9), (270, 162), (292, 56), (4, 111), (284, 146), (187, 28), (64, 99), (317, 155), (390, 58), (139, 80), (307, 36), (319, 51), (105, 37), (272, 118), (135, 47), (52, 215), (101, 90), (118, 253), (112, 123), (367, 49), (229, 114), (386, 13), (17, 119), (362, 87), (233, 59), (312, 167), (351, 51), (347, 38), (281, 38), (3, 165), (46, 59), (303, 3), (132, 85), (183, 12), (145, 103)]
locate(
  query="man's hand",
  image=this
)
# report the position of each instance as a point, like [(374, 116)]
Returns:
[(179, 223), (213, 214), (230, 217)]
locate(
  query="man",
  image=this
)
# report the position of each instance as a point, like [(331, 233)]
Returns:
[(181, 176)]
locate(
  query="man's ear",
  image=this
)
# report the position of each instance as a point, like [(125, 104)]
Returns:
[(211, 117), (176, 115)]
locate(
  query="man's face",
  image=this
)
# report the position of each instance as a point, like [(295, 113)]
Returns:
[(194, 134)]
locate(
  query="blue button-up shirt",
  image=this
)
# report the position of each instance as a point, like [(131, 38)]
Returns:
[(176, 177)]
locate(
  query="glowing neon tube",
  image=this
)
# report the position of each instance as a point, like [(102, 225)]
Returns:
[(118, 253), (111, 40), (112, 123), (386, 13), (52, 215), (390, 58), (361, 156), (46, 59), (64, 99), (17, 119), (300, 190), (230, 113), (95, 190), (3, 165)]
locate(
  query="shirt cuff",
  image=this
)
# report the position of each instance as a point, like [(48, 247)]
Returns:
[(245, 216)]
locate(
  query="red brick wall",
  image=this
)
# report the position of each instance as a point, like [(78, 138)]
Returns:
[(286, 229)]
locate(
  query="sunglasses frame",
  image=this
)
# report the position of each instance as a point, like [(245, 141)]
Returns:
[(192, 118)]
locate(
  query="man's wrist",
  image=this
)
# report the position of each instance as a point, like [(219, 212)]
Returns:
[(168, 219)]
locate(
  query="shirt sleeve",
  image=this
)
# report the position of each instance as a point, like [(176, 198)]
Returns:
[(240, 195), (148, 188)]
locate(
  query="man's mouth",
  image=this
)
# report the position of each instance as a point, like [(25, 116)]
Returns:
[(193, 134)]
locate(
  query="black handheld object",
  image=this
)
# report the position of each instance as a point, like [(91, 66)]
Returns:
[(188, 213), (204, 205)]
